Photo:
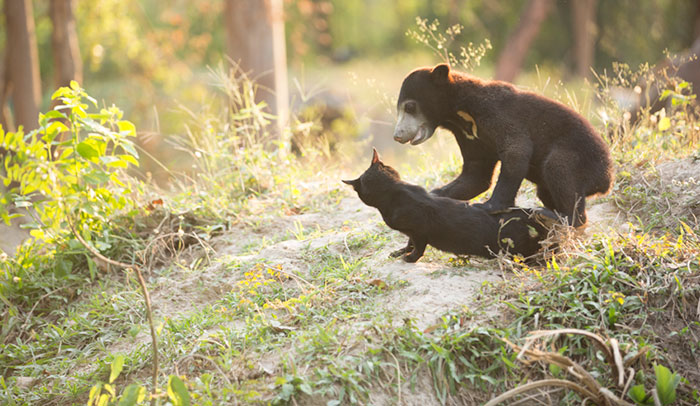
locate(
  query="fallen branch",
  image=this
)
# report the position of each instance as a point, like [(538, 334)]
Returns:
[(538, 384), (587, 386), (146, 296)]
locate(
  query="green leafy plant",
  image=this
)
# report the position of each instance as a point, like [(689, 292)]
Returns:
[(102, 394), (665, 391), (69, 171)]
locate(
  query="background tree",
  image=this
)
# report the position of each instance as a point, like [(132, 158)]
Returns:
[(255, 39), (5, 116), (64, 43), (585, 31), (511, 58), (23, 83)]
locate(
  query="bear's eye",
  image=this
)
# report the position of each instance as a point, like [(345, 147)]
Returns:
[(410, 107)]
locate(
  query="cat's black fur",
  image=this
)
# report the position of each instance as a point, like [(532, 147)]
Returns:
[(447, 224)]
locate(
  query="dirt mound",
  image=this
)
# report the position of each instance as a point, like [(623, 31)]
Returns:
[(682, 179)]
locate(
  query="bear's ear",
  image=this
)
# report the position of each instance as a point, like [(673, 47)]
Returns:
[(375, 156), (441, 74), (354, 183)]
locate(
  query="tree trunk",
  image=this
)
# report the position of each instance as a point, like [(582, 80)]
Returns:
[(64, 43), (5, 116), (455, 8), (255, 39), (23, 63), (696, 21), (585, 31), (511, 60)]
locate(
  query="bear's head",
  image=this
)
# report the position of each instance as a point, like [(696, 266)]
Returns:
[(375, 181), (421, 100)]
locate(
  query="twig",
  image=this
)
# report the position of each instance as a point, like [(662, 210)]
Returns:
[(538, 384), (29, 315), (294, 276), (398, 381), (211, 361), (630, 378), (534, 396), (655, 396), (618, 361), (146, 296), (596, 339)]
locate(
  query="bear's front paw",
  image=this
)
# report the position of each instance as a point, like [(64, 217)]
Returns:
[(411, 258), (398, 252)]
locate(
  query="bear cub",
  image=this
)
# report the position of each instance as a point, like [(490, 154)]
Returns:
[(447, 224), (533, 137)]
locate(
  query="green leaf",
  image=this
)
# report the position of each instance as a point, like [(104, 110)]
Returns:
[(129, 148), (638, 395), (54, 114), (92, 267), (130, 159), (126, 127), (666, 383), (664, 124), (61, 92), (63, 268), (87, 151), (104, 398), (287, 391), (109, 388), (113, 161), (94, 126), (56, 127), (94, 393), (304, 387), (132, 395), (96, 178), (117, 366), (177, 392)]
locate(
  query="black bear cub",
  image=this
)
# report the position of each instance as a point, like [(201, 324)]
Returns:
[(533, 137), (447, 224)]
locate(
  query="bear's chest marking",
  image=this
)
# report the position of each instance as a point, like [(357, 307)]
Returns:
[(467, 124)]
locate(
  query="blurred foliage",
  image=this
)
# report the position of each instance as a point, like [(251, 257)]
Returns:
[(335, 29), (150, 57)]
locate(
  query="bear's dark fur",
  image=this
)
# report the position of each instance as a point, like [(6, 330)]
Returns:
[(533, 137), (446, 224)]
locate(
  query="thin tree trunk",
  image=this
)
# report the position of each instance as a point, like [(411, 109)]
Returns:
[(513, 55), (64, 42), (696, 21), (455, 7), (23, 62), (255, 39), (585, 31), (5, 116)]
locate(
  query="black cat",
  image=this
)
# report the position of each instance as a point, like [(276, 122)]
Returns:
[(447, 224)]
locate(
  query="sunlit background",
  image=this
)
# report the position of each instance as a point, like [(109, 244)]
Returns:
[(344, 59)]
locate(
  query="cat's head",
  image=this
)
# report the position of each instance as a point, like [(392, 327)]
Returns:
[(375, 181)]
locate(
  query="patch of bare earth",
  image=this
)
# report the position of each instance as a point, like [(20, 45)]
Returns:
[(429, 288), (682, 179)]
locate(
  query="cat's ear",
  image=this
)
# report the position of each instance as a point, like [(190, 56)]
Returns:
[(375, 156), (354, 183)]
